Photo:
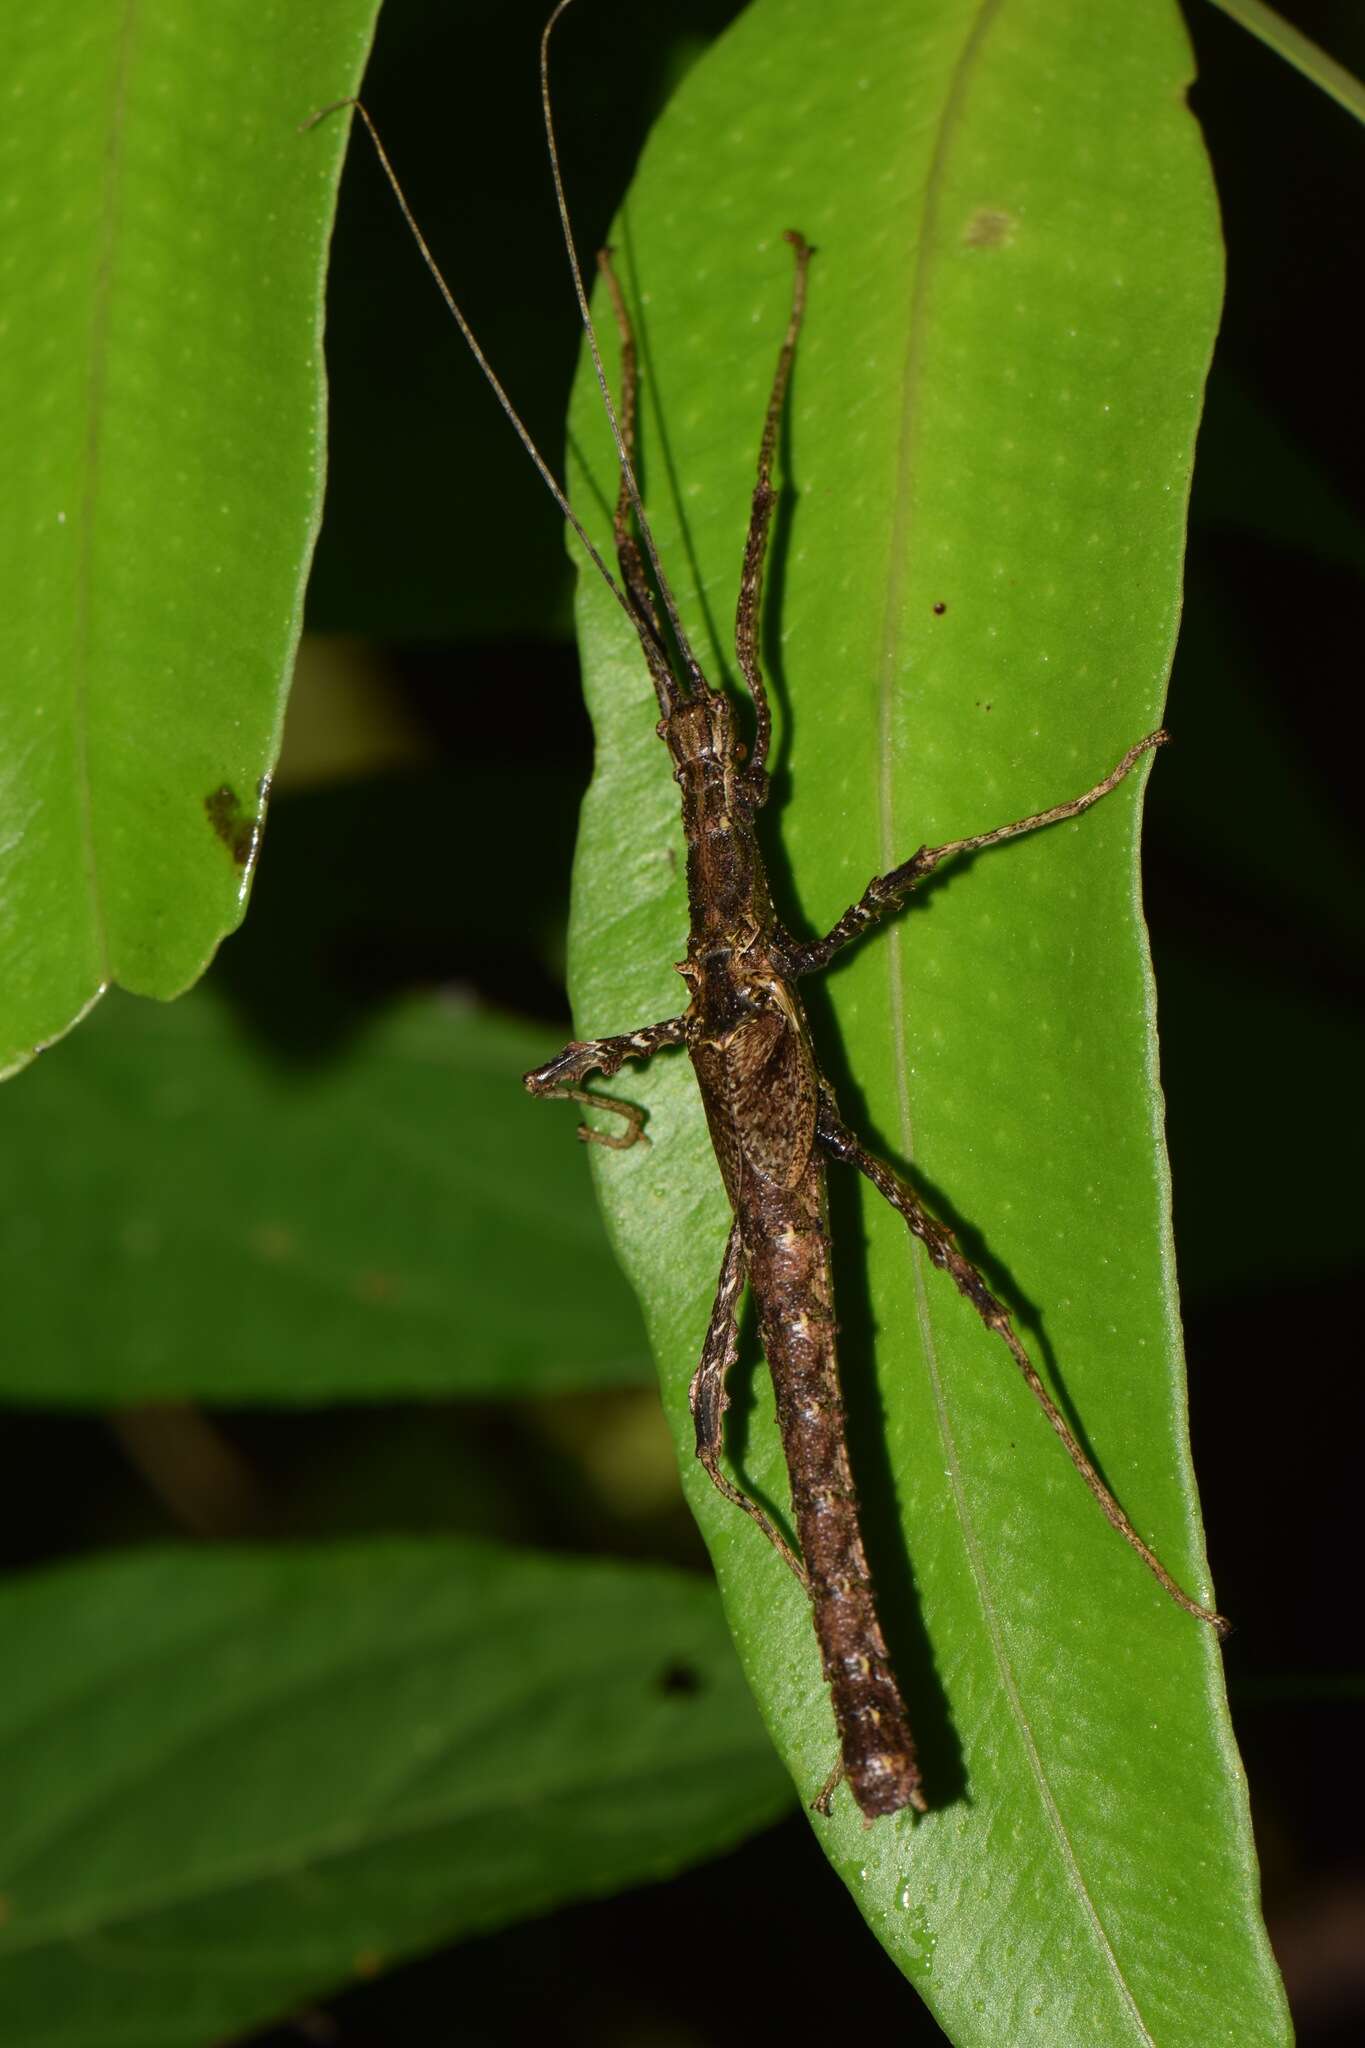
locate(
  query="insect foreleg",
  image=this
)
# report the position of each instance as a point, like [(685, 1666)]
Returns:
[(708, 1400), (885, 893), (839, 1142), (555, 1081), (749, 608), (628, 555)]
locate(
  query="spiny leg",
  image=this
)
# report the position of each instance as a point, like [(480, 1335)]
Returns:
[(554, 1081), (708, 1400), (885, 893), (836, 1138), (749, 610)]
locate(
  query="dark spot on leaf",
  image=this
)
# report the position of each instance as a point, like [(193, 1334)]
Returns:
[(680, 1677), (239, 830), (989, 228), (939, 609)]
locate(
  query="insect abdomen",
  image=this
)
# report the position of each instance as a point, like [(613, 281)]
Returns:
[(789, 1271)]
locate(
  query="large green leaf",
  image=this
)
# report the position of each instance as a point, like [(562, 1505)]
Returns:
[(191, 1216), (161, 415), (231, 1781), (972, 609)]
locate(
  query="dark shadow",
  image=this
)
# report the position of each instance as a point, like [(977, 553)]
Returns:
[(893, 1570), (1025, 1312)]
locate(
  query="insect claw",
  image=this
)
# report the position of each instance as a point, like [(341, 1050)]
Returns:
[(616, 1141), (822, 1800)]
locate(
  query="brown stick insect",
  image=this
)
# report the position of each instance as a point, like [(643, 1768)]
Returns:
[(773, 1118)]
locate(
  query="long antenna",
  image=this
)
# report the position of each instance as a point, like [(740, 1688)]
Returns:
[(688, 658), (547, 475)]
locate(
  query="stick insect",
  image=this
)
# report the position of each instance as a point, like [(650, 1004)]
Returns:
[(774, 1122)]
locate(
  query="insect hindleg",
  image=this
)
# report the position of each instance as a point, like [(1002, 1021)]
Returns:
[(836, 1138), (708, 1400), (885, 893), (555, 1081)]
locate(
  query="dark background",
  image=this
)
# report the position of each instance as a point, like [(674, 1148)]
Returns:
[(469, 754)]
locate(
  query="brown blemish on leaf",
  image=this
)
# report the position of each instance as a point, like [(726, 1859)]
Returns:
[(239, 830), (990, 227)]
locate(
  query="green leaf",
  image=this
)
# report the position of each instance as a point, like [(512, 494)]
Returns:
[(193, 1217), (161, 391), (971, 614), (232, 1780)]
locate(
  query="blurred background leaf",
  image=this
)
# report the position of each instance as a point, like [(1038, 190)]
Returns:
[(230, 1779), (161, 409), (257, 1228)]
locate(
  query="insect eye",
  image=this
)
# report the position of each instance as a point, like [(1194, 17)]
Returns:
[(741, 751)]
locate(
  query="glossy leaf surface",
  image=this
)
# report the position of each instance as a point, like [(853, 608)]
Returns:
[(161, 411), (972, 609), (234, 1780), (192, 1216)]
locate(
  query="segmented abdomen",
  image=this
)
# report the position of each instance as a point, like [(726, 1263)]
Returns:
[(789, 1272)]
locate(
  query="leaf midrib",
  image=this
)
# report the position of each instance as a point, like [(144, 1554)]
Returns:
[(892, 851), (95, 380)]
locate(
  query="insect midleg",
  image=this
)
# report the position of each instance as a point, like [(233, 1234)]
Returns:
[(554, 1082), (841, 1144), (749, 608), (886, 893), (708, 1400)]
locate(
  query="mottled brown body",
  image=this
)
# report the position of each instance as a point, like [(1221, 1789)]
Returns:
[(747, 1036), (746, 1032)]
